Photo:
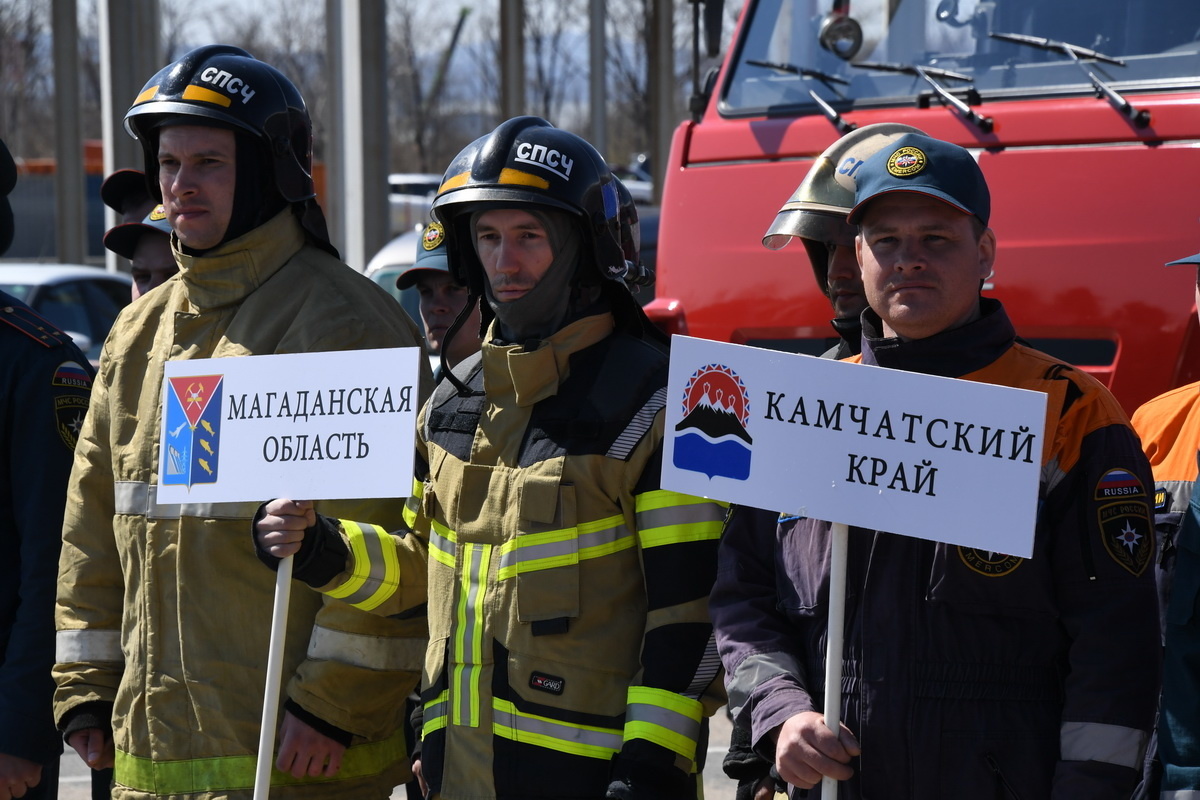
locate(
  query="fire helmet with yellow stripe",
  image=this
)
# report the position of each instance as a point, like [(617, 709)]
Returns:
[(226, 86), (526, 161)]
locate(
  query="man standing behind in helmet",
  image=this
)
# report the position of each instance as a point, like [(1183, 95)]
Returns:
[(570, 647), (816, 215), (163, 614)]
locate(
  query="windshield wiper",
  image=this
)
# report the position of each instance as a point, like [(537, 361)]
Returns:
[(1140, 118), (829, 111), (930, 75)]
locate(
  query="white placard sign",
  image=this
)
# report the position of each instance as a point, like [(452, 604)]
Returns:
[(313, 426), (936, 458)]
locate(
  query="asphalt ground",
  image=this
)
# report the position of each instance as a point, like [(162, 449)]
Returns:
[(74, 781)]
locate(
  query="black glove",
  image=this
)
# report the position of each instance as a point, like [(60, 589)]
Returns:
[(322, 553), (643, 771), (744, 765)]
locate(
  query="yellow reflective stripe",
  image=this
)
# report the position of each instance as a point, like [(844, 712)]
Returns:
[(375, 573), (565, 737), (146, 95), (550, 549), (666, 718), (434, 718), (412, 506), (237, 772), (443, 544), (468, 636), (519, 176), (206, 96), (665, 517)]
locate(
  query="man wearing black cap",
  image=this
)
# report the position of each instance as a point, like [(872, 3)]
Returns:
[(967, 673), (125, 192), (442, 298), (1169, 426), (164, 615), (147, 245), (45, 384)]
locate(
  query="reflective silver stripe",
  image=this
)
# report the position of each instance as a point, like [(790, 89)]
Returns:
[(372, 652), (435, 715), (566, 548), (1180, 794), (468, 653), (569, 547), (1110, 744), (706, 672), (637, 427), (442, 544), (758, 669), (608, 741), (80, 646), (667, 718), (135, 498), (680, 515), (376, 566)]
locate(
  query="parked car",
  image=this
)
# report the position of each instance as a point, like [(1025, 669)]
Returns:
[(410, 196), (82, 300)]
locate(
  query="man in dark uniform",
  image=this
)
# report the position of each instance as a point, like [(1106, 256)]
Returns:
[(816, 215), (967, 673), (45, 383)]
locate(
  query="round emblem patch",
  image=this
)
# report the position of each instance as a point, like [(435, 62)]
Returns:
[(985, 562), (906, 161), (434, 235)]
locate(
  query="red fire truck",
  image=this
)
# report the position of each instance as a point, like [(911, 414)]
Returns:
[(1084, 116)]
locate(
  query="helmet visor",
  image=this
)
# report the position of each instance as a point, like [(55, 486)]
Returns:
[(804, 224)]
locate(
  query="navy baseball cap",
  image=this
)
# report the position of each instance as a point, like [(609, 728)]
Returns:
[(1194, 260), (923, 165), (123, 239), (431, 255)]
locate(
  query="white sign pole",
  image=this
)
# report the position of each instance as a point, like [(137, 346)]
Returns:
[(833, 642), (266, 736)]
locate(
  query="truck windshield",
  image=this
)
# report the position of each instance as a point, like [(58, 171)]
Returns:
[(787, 45)]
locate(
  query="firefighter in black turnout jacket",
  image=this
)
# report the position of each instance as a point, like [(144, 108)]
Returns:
[(570, 649)]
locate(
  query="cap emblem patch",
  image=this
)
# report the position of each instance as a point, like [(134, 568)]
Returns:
[(158, 213), (433, 236), (906, 161)]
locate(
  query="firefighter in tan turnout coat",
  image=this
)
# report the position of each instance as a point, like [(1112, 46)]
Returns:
[(163, 613)]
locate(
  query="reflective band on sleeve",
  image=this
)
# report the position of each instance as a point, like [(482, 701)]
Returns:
[(87, 645), (162, 778), (434, 718), (443, 545), (412, 506), (637, 427), (1096, 741), (371, 652), (1180, 794), (136, 498), (665, 718), (537, 551), (565, 737), (665, 517), (756, 670), (375, 571)]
